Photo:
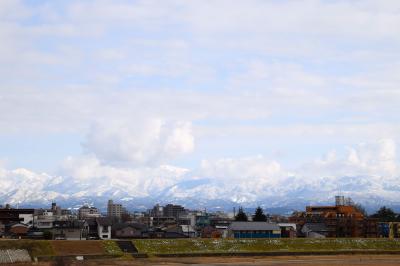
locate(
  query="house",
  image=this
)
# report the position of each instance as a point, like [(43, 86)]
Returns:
[(19, 229), (254, 230), (315, 230), (174, 232), (104, 227), (129, 230)]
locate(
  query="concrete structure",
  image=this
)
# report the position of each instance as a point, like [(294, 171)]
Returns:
[(171, 210), (115, 210), (45, 220), (86, 211), (254, 230)]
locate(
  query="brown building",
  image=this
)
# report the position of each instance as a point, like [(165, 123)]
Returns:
[(339, 220)]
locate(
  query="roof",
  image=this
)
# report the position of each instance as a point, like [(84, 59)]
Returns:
[(247, 226), (314, 227), (20, 224), (287, 225), (187, 228), (104, 221), (137, 226)]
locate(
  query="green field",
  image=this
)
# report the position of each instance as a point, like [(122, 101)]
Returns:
[(179, 246)]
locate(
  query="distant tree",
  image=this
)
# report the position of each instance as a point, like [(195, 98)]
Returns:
[(259, 215), (241, 216), (361, 209), (385, 215), (47, 235)]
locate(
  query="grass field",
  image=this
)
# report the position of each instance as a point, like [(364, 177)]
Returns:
[(179, 246)]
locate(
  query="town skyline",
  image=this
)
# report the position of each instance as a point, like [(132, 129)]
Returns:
[(214, 104)]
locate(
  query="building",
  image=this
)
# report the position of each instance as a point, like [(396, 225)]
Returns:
[(188, 231), (129, 230), (175, 211), (86, 211), (339, 220), (254, 230), (104, 227), (288, 230), (10, 216), (19, 229), (315, 230), (115, 210), (44, 220)]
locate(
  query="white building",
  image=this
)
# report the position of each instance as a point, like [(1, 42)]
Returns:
[(104, 227), (85, 212)]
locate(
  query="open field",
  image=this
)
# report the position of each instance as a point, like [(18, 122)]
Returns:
[(180, 246), (64, 247)]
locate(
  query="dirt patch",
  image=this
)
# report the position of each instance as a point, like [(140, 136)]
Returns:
[(69, 247)]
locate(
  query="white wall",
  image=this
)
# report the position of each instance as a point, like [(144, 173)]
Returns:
[(104, 235)]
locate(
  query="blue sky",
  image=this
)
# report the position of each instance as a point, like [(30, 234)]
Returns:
[(136, 84)]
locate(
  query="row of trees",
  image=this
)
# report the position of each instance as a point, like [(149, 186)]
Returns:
[(384, 214), (258, 216)]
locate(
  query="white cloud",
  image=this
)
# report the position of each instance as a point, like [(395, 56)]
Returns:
[(150, 141), (377, 159), (368, 171)]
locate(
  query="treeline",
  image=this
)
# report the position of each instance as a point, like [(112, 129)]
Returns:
[(384, 214), (258, 216)]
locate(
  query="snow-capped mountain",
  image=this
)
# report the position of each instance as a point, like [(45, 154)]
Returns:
[(176, 185)]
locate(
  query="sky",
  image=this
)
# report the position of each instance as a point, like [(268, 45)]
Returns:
[(223, 89)]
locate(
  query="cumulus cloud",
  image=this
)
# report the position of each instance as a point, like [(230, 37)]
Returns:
[(366, 172), (366, 159), (142, 142), (258, 170)]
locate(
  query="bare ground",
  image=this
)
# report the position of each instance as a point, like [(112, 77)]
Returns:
[(342, 260)]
